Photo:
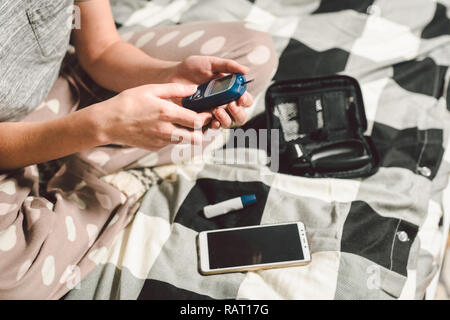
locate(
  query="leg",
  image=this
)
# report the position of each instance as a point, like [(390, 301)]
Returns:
[(53, 234), (55, 218), (230, 40)]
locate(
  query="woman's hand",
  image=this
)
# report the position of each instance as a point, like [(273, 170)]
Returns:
[(138, 117), (143, 118), (102, 54), (200, 69)]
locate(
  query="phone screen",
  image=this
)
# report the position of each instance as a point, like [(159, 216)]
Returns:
[(252, 246), (221, 84)]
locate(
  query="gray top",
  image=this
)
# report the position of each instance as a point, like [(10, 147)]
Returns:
[(34, 38)]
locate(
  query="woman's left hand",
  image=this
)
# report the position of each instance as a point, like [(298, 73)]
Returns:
[(200, 69)]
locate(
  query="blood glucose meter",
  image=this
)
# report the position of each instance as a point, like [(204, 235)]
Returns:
[(217, 92)]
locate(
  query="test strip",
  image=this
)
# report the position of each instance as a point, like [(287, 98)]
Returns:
[(319, 113)]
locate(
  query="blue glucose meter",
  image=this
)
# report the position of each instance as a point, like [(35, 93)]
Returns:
[(217, 92)]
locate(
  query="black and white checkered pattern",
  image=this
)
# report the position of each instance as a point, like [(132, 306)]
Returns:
[(380, 237)]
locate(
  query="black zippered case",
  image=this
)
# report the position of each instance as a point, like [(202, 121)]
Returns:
[(321, 124)]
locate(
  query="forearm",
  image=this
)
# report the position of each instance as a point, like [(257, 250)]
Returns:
[(26, 143), (122, 66), (111, 62)]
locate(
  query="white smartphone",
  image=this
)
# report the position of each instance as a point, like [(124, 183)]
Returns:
[(253, 248)]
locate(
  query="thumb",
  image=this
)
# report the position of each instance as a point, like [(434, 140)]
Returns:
[(172, 90)]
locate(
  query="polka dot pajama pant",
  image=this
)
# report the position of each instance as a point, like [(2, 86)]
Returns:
[(55, 224)]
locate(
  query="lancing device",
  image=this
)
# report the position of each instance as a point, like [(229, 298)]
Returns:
[(226, 206)]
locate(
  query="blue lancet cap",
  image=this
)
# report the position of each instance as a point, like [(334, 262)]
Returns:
[(248, 199)]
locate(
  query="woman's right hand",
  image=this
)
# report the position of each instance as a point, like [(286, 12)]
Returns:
[(144, 117)]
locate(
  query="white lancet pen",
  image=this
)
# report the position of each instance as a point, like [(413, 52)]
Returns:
[(226, 206)]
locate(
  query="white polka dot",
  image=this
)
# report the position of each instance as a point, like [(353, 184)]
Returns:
[(70, 227), (7, 208), (92, 231), (71, 276), (259, 55), (99, 255), (212, 45), (167, 37), (190, 38), (53, 105), (80, 203), (144, 39), (8, 238), (23, 269), (9, 187), (48, 270), (99, 157)]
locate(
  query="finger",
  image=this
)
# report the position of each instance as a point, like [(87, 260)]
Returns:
[(172, 90), (184, 117), (238, 113), (223, 117), (227, 66), (246, 100), (215, 124)]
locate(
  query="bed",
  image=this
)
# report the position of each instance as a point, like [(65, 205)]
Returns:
[(381, 237)]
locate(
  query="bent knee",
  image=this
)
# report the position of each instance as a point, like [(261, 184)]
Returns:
[(255, 49)]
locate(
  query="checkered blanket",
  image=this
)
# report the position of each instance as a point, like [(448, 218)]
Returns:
[(380, 237)]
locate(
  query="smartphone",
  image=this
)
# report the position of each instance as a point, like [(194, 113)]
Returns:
[(253, 248)]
